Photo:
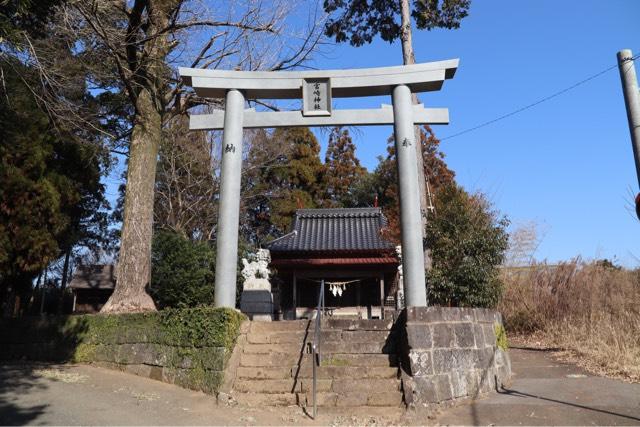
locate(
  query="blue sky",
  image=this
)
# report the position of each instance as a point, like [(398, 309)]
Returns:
[(566, 164)]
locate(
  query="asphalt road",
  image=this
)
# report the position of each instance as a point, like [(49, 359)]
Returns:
[(547, 392), (543, 392)]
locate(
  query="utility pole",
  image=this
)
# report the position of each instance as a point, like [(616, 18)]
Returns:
[(632, 102)]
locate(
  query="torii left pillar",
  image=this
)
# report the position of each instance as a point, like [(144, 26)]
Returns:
[(229, 209)]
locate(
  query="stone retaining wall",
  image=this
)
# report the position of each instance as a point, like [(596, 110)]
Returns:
[(189, 347), (452, 353)]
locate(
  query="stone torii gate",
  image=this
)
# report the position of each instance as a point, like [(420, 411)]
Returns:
[(317, 88)]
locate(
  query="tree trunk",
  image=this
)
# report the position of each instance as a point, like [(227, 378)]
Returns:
[(409, 58), (134, 261), (63, 281)]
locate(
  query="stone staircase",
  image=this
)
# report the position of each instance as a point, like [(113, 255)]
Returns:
[(358, 364)]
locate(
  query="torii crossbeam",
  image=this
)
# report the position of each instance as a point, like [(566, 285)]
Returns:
[(316, 89)]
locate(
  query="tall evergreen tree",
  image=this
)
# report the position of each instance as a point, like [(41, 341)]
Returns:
[(299, 180), (342, 170), (51, 197), (283, 172)]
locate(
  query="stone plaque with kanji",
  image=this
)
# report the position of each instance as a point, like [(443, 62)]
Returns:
[(316, 97)]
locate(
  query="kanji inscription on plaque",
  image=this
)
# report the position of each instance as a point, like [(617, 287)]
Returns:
[(316, 97)]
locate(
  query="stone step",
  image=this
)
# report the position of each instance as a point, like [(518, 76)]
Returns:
[(263, 373), (278, 337), (285, 337), (327, 323), (366, 336), (260, 399), (325, 399), (287, 348), (352, 372), (279, 326), (283, 360), (270, 360), (358, 324), (289, 385), (340, 385), (329, 399), (326, 347), (365, 385), (282, 337), (367, 360), (323, 372), (344, 346)]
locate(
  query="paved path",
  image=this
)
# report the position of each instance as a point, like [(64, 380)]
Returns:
[(88, 395), (544, 391), (547, 392)]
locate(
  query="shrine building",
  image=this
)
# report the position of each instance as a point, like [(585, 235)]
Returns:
[(346, 249)]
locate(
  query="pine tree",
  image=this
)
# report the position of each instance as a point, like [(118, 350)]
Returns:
[(342, 170)]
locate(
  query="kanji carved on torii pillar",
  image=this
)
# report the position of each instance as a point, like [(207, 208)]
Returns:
[(316, 89)]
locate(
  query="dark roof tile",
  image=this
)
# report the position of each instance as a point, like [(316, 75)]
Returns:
[(320, 230)]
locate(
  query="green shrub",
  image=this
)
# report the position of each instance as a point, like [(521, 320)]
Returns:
[(187, 328), (182, 271), (467, 241)]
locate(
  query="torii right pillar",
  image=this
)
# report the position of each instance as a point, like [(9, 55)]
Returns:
[(409, 192)]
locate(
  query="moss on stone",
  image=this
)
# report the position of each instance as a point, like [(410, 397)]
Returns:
[(192, 345), (501, 336)]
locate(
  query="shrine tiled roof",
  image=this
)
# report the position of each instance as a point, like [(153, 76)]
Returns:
[(334, 230)]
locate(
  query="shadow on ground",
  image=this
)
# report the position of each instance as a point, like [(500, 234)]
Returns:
[(17, 379), (30, 343)]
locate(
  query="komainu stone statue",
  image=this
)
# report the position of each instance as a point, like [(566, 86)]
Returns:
[(257, 300)]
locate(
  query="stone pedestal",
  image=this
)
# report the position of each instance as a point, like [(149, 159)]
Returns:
[(257, 300)]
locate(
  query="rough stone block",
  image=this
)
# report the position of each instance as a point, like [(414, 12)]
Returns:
[(447, 360), (464, 336), (419, 335), (443, 387), (420, 363), (484, 315), (424, 390), (443, 336), (485, 358), (479, 335), (423, 314), (464, 383), (140, 370), (489, 334), (487, 379), (442, 360)]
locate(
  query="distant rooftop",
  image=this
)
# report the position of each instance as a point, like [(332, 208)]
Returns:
[(334, 230), (95, 276)]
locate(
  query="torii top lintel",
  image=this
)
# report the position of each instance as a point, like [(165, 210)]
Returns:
[(423, 77)]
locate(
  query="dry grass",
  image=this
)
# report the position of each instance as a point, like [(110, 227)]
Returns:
[(590, 310)]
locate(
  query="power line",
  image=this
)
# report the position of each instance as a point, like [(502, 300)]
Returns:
[(540, 101)]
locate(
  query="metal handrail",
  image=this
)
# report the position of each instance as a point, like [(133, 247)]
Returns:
[(315, 347)]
